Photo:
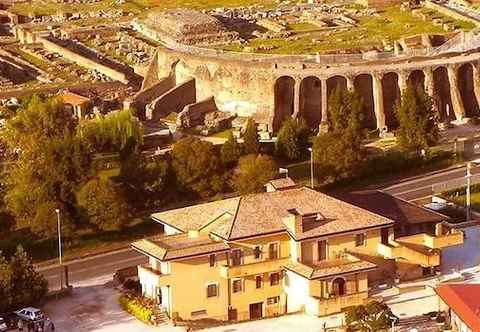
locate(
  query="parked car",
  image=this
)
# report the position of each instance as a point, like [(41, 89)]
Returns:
[(10, 319), (30, 314), (3, 325)]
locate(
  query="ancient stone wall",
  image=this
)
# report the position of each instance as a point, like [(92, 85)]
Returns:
[(174, 100), (146, 96), (194, 114)]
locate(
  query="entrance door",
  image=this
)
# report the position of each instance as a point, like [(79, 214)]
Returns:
[(232, 314), (384, 236), (256, 310)]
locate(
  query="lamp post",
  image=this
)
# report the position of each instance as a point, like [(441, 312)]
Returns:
[(311, 167), (469, 180), (57, 211)]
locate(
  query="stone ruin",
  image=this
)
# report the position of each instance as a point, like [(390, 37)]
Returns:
[(190, 27), (205, 117)]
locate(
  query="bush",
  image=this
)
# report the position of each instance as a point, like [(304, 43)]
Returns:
[(136, 307)]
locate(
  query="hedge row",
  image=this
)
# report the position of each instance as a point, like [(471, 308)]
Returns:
[(135, 307)]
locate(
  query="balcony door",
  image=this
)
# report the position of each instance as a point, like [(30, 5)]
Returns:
[(322, 250), (236, 257), (384, 236), (338, 287)]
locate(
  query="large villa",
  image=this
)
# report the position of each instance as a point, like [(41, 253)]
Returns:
[(287, 250)]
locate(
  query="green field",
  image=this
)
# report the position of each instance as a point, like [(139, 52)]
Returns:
[(392, 24), (49, 7)]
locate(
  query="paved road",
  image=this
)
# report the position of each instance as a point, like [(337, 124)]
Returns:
[(94, 267), (421, 187)]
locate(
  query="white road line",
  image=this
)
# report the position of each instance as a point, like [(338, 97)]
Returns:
[(401, 184)]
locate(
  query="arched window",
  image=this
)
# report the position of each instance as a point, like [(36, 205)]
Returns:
[(338, 287)]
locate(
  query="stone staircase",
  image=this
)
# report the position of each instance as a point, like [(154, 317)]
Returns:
[(421, 323)]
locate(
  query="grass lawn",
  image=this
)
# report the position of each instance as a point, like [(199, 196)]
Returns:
[(458, 196), (50, 7), (392, 24)]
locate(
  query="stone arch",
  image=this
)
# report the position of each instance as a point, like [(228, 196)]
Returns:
[(336, 82), (284, 95), (416, 78), (311, 101), (391, 96), (363, 85), (467, 89), (339, 286), (442, 98)]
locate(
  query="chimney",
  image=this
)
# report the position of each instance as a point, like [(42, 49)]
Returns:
[(294, 222)]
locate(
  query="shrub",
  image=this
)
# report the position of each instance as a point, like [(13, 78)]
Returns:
[(135, 307)]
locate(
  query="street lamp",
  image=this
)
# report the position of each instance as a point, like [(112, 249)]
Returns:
[(283, 171), (469, 180), (311, 167), (57, 211)]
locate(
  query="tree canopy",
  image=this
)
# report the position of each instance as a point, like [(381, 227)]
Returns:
[(251, 143), (292, 139), (338, 153), (253, 172), (371, 317), (197, 166), (48, 161), (230, 151), (417, 123), (20, 284)]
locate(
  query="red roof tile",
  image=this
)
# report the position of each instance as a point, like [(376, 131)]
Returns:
[(464, 300)]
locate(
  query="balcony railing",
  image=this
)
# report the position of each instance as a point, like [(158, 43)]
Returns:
[(337, 303), (146, 272), (424, 258), (252, 268), (456, 237)]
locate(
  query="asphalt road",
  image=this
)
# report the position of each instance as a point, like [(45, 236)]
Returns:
[(108, 264), (93, 267), (421, 187)]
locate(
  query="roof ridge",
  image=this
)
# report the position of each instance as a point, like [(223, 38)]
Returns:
[(235, 217)]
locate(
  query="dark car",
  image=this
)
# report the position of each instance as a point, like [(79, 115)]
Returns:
[(10, 320)]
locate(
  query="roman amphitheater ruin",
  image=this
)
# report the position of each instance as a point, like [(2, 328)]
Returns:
[(271, 87)]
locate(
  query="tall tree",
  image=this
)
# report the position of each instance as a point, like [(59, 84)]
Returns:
[(417, 123), (250, 138), (371, 317), (292, 139), (48, 162), (338, 153), (104, 204), (230, 151), (253, 172), (197, 166)]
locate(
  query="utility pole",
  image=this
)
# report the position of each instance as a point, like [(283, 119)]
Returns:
[(469, 180), (311, 167), (57, 211)]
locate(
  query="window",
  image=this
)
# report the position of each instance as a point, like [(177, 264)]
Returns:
[(236, 257), (274, 279), (212, 290), (198, 313), (273, 300), (237, 285), (273, 251), (258, 282), (257, 252), (359, 240), (212, 260), (322, 250)]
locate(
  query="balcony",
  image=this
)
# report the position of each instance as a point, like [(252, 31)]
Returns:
[(336, 304), (413, 253), (253, 268), (149, 275), (454, 238)]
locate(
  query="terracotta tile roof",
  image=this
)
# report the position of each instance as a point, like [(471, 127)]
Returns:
[(393, 208), (179, 246), (263, 213), (464, 300), (74, 99), (329, 268), (197, 216)]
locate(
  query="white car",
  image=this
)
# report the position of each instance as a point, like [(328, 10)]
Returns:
[(30, 314), (3, 325)]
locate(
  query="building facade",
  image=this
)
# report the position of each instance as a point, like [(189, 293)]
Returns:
[(462, 304), (287, 250)]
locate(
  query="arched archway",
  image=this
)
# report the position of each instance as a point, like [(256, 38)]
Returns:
[(334, 83), (311, 101), (467, 90), (416, 78), (391, 96), (363, 84), (442, 98), (284, 92), (338, 287)]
